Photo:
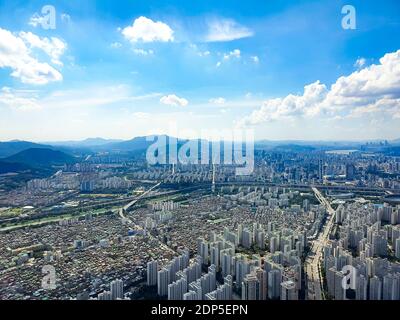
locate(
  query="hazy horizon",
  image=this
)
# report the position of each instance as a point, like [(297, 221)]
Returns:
[(184, 138)]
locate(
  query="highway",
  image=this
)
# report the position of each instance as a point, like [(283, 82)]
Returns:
[(133, 202), (124, 218), (312, 263), (336, 188)]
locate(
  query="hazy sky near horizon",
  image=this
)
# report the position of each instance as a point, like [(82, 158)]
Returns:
[(120, 69)]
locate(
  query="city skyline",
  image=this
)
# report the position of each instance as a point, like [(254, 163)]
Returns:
[(223, 66)]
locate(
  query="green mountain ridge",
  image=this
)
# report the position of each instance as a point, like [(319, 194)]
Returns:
[(40, 157)]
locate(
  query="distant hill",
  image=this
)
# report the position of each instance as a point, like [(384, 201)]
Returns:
[(293, 148), (395, 142), (90, 142), (12, 147), (136, 144), (40, 157)]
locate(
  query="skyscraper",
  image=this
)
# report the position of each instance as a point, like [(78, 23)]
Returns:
[(289, 291), (163, 280), (196, 287), (250, 287), (177, 289), (202, 247), (350, 171), (261, 239), (262, 280), (226, 263), (361, 288), (152, 273), (214, 256), (247, 238), (191, 295), (117, 289), (391, 287), (375, 288), (397, 248), (105, 295), (274, 283), (320, 170)]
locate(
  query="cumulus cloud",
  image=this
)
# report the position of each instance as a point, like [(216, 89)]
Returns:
[(146, 30), (291, 105), (174, 100), (53, 47), (226, 30), (218, 101), (371, 90), (15, 53)]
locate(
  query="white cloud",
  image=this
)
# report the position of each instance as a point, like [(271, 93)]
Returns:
[(290, 105), (226, 30), (218, 101), (369, 91), (82, 98), (199, 52), (53, 47), (142, 52), (227, 56), (15, 54), (204, 53), (18, 100), (255, 59), (235, 53), (174, 100), (360, 62), (146, 30)]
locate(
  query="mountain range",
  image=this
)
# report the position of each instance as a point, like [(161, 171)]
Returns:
[(34, 159), (90, 142), (11, 149), (40, 157)]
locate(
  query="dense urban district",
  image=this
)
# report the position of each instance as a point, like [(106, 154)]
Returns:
[(309, 223)]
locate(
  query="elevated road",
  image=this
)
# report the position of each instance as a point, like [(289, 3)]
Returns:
[(124, 218), (134, 201), (340, 188), (312, 263)]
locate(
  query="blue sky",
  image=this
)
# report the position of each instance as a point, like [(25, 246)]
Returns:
[(119, 69)]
